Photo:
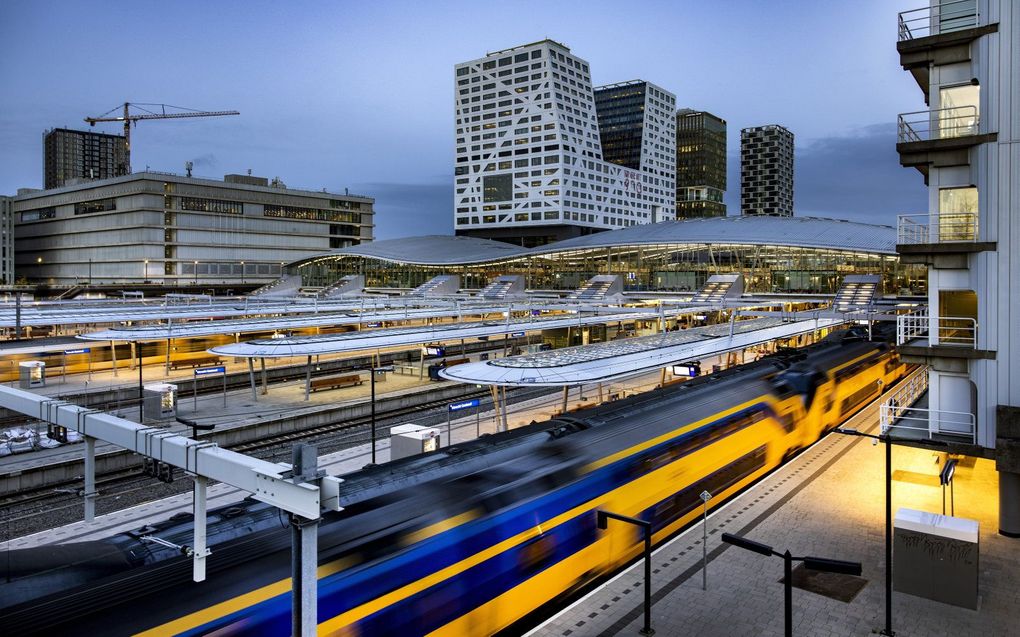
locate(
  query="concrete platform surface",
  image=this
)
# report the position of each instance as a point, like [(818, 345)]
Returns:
[(826, 502)]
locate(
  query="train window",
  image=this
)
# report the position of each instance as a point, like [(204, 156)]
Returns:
[(537, 553)]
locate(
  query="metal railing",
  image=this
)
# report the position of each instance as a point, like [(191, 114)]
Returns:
[(960, 331), (941, 17), (939, 123), (944, 227), (933, 421), (896, 412)]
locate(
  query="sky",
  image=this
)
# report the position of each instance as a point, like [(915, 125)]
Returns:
[(360, 95)]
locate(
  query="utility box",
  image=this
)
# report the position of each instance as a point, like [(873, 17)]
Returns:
[(411, 440), (160, 401), (936, 557), (32, 374)]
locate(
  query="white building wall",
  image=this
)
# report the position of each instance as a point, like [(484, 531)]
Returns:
[(995, 170), (534, 118)]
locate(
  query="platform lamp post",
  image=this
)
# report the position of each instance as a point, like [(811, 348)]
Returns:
[(888, 440), (602, 522), (822, 564), (383, 368), (242, 272), (196, 273)]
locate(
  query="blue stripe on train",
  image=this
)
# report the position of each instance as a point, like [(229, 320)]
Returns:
[(351, 588)]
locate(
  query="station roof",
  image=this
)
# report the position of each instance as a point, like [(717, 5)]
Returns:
[(433, 250), (419, 335), (283, 323), (104, 312), (619, 359), (800, 232)]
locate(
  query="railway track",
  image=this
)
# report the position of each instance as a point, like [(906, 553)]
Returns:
[(65, 498)]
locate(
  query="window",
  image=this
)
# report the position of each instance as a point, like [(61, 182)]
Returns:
[(958, 209), (497, 188), (958, 113), (311, 214), (101, 205)]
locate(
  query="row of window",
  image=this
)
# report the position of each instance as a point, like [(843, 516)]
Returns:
[(313, 214)]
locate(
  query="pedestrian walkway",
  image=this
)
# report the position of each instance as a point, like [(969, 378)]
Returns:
[(827, 502)]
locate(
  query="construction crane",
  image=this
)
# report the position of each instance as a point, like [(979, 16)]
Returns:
[(127, 117)]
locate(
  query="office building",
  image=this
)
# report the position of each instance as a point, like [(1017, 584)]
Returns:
[(170, 230), (530, 166), (700, 164), (966, 146), (70, 156), (766, 171), (6, 240)]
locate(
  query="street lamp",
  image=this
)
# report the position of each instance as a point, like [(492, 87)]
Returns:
[(242, 272), (888, 440), (374, 369), (196, 272), (145, 270), (822, 564), (602, 522)]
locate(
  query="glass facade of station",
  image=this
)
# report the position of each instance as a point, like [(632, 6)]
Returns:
[(668, 267)]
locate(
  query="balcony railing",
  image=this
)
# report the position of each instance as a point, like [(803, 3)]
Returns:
[(957, 331), (941, 123), (941, 17), (944, 227), (933, 421)]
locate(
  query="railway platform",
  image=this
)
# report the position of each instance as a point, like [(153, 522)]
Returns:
[(828, 501)]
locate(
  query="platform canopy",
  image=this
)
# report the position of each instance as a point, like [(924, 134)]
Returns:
[(283, 323), (419, 335), (620, 359)]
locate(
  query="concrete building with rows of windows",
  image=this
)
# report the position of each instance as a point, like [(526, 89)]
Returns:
[(543, 156), (766, 171), (72, 156), (161, 229)]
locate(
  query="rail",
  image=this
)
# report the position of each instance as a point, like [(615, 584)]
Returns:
[(938, 123), (940, 422), (941, 17), (908, 392), (946, 227), (958, 331)]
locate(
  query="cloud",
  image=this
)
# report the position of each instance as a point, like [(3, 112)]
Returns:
[(407, 210), (855, 176)]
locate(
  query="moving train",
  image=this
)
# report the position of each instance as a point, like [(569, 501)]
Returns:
[(465, 540)]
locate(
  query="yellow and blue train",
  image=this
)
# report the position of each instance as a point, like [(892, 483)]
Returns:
[(469, 539)]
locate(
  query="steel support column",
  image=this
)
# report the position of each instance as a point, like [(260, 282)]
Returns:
[(251, 377), (201, 551), (90, 479), (304, 536)]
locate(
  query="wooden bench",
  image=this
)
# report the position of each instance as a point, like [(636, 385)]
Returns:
[(450, 362), (336, 382), (195, 362)]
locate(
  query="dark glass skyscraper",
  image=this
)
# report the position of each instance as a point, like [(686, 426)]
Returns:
[(621, 115), (700, 164)]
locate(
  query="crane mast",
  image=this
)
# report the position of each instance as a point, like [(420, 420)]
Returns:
[(128, 118)]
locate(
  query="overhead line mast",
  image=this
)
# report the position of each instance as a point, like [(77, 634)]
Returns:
[(127, 117)]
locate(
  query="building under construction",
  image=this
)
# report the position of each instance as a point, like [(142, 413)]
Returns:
[(71, 156)]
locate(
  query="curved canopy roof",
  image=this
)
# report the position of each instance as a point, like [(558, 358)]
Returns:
[(433, 249), (800, 232)]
